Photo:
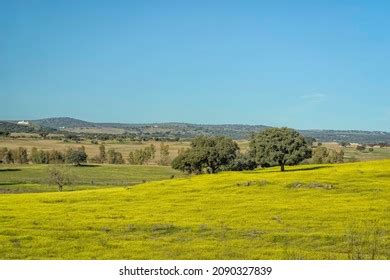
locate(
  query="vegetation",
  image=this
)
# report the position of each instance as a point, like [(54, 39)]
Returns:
[(279, 146), (207, 154), (114, 157), (59, 176), (311, 212), (325, 155), (76, 130), (18, 156), (164, 154), (142, 156), (34, 177), (76, 156), (241, 162)]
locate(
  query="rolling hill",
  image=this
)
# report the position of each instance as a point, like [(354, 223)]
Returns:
[(188, 131), (309, 212)]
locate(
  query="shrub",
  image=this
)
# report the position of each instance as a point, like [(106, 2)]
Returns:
[(6, 156), (56, 157), (76, 156), (19, 155), (142, 156), (39, 156), (324, 155), (114, 157), (164, 154), (360, 147)]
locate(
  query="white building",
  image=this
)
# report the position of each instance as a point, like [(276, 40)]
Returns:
[(23, 123)]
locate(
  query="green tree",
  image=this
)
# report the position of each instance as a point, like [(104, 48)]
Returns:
[(114, 157), (140, 156), (131, 158), (39, 156), (56, 157), (102, 153), (164, 154), (6, 156), (319, 155), (151, 151), (76, 156), (335, 156), (21, 156), (242, 162), (207, 154), (279, 146)]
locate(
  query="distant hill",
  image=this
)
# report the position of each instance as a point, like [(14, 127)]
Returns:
[(185, 130), (58, 123), (351, 136), (13, 127)]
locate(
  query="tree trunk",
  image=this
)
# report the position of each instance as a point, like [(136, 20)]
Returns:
[(282, 167), (60, 188)]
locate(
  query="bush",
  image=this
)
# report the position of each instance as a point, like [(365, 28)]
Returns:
[(164, 154), (39, 156), (6, 156), (19, 155), (76, 156), (360, 147), (114, 157), (56, 157), (142, 156), (324, 155)]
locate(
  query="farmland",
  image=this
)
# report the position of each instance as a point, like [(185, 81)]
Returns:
[(124, 147), (34, 178), (329, 211), (91, 149)]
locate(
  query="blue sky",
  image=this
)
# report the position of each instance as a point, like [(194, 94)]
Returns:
[(302, 64)]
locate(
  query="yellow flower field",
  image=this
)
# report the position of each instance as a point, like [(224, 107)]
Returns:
[(309, 212)]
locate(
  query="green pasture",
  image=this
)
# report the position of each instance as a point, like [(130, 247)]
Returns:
[(34, 177)]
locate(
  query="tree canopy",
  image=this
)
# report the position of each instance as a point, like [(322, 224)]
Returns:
[(207, 154), (76, 156), (279, 146)]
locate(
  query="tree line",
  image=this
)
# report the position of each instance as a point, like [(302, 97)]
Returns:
[(271, 147), (78, 156), (75, 156)]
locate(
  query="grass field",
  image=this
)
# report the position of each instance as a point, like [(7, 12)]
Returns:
[(351, 154), (310, 212), (34, 177)]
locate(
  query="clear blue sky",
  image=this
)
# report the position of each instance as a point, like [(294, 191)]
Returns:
[(302, 64)]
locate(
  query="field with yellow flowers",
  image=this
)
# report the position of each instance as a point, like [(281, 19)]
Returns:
[(308, 212)]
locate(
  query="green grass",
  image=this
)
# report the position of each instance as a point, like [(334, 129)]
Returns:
[(351, 154), (310, 212), (34, 178)]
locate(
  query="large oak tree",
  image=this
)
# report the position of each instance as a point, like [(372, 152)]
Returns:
[(279, 146)]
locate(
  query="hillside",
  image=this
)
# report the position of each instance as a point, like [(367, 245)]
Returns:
[(62, 122), (189, 131), (310, 212), (11, 127)]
